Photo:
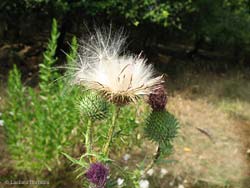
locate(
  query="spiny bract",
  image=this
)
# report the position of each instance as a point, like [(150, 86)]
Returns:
[(93, 106), (161, 127), (103, 67)]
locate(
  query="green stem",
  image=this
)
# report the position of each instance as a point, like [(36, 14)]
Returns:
[(88, 137), (111, 131), (155, 158)]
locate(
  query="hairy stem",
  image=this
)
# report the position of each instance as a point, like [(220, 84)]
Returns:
[(88, 137), (111, 131), (156, 156)]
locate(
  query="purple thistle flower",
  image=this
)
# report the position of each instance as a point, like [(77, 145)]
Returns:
[(97, 174), (158, 98)]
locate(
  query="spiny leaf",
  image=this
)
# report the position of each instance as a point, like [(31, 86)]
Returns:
[(79, 162)]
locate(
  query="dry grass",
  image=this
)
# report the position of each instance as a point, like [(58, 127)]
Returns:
[(218, 159), (214, 136)]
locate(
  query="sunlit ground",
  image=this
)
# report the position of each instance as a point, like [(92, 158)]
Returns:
[(212, 148)]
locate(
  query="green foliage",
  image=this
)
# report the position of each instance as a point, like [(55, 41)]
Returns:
[(129, 122), (71, 57), (126, 131), (137, 12), (162, 127), (15, 88), (93, 106), (16, 103), (222, 21), (40, 124), (46, 74)]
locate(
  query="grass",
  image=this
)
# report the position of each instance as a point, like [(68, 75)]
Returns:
[(215, 128)]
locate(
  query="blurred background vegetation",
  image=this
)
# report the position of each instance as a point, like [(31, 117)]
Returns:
[(203, 28), (203, 46), (206, 29)]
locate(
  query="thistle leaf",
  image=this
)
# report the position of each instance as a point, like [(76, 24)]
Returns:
[(75, 161)]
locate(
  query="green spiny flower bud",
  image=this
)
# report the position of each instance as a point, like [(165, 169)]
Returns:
[(161, 127), (93, 106)]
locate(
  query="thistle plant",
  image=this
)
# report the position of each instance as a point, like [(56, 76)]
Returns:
[(161, 126), (114, 79)]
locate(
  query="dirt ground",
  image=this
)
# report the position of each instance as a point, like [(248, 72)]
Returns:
[(214, 142), (211, 147)]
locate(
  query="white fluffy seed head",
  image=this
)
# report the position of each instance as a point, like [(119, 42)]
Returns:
[(104, 67)]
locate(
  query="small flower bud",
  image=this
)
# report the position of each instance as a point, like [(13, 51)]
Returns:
[(93, 106), (158, 98)]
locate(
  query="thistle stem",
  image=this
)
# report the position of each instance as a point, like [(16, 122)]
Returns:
[(88, 137), (156, 156), (111, 131)]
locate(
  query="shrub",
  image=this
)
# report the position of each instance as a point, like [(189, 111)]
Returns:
[(40, 122)]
